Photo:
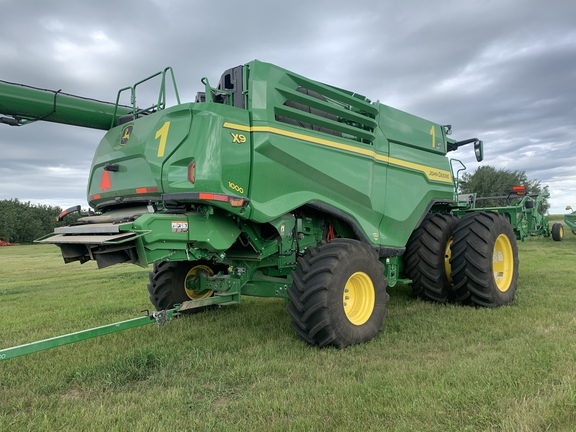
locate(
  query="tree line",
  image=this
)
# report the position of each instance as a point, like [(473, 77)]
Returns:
[(23, 222)]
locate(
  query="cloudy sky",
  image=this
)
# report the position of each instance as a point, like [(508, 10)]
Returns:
[(500, 70)]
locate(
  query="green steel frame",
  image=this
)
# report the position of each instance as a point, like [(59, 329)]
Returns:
[(156, 317), (570, 220), (525, 214)]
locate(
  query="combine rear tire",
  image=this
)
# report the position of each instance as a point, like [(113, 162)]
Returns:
[(557, 232), (484, 260), (338, 295), (167, 285), (428, 258)]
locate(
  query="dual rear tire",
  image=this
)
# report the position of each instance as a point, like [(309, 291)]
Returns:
[(473, 260), (484, 262), (428, 255)]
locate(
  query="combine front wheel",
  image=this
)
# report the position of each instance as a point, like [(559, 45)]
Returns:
[(338, 295), (485, 260)]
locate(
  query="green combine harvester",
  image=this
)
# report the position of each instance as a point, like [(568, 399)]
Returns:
[(271, 184)]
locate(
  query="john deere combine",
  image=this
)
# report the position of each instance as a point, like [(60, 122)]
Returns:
[(272, 184)]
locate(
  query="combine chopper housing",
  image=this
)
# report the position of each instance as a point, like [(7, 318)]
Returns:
[(272, 184)]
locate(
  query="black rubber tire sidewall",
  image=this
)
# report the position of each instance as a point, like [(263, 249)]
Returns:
[(317, 292), (425, 255), (167, 282), (472, 254), (347, 332), (557, 232)]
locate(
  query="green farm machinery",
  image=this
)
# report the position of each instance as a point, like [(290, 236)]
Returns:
[(275, 185), (524, 211), (570, 219)]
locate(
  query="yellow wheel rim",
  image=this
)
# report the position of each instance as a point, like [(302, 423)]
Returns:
[(561, 232), (193, 294), (447, 256), (359, 298), (503, 263)]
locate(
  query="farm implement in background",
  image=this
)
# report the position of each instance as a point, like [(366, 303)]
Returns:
[(524, 212), (570, 219)]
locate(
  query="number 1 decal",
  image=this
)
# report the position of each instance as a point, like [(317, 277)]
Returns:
[(433, 133), (162, 133)]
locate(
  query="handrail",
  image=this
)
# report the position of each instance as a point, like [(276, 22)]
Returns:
[(160, 104)]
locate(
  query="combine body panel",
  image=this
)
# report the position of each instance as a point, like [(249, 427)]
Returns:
[(344, 156), (272, 184)]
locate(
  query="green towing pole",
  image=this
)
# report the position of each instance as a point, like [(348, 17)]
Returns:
[(156, 317)]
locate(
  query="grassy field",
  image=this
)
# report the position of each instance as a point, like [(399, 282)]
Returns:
[(432, 368)]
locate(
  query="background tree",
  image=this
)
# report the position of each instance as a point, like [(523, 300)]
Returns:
[(23, 222), (488, 181)]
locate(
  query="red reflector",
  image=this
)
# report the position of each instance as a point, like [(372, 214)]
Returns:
[(146, 190), (213, 197), (94, 197), (105, 183)]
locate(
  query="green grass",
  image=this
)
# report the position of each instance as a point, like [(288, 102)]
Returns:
[(432, 368), (555, 218)]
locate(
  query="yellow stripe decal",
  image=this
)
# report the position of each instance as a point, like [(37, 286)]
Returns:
[(433, 174)]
